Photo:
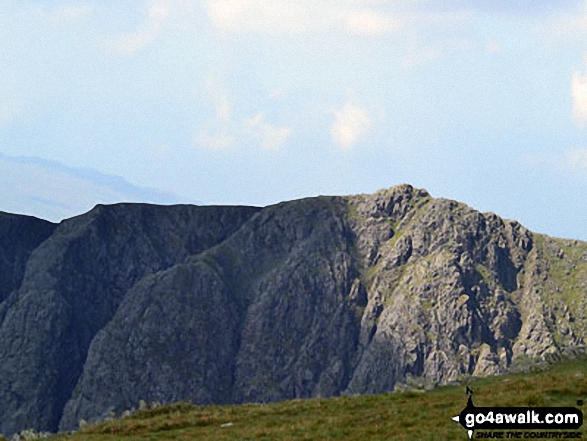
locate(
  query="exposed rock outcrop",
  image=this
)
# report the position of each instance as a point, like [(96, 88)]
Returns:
[(314, 297), (19, 236), (73, 285)]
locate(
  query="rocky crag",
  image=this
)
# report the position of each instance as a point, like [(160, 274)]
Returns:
[(314, 297)]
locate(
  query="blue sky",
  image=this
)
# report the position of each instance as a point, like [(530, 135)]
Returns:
[(259, 101)]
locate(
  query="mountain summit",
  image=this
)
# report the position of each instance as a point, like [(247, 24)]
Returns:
[(313, 297)]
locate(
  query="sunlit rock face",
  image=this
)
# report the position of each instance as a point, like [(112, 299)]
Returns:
[(314, 297)]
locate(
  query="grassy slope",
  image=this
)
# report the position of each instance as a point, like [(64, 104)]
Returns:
[(566, 284), (405, 416)]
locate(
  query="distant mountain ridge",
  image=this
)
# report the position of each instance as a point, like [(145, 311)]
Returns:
[(313, 297), (54, 191)]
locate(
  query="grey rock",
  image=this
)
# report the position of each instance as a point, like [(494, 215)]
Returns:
[(72, 286), (130, 304), (19, 236)]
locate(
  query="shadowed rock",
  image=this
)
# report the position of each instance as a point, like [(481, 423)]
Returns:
[(314, 297)]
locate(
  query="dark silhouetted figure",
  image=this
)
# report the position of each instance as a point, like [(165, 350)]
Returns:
[(470, 399)]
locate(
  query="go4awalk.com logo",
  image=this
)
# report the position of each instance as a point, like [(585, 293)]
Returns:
[(509, 421)]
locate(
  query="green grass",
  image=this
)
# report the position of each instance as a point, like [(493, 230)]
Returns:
[(566, 284), (353, 213), (394, 416), (484, 273)]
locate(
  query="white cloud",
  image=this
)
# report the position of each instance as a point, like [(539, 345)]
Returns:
[(270, 137), (371, 23), (579, 95), (354, 17), (282, 16), (157, 14), (566, 26), (576, 159), (257, 15), (222, 130), (350, 124), (573, 160), (219, 132), (219, 98)]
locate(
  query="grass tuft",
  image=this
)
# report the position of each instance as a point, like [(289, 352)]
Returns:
[(413, 415)]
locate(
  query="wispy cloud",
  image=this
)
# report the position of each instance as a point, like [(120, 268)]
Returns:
[(258, 15), (351, 122), (351, 17), (576, 159), (371, 22), (572, 160), (568, 24), (355, 18), (219, 131), (219, 98), (282, 16), (157, 14), (269, 137), (579, 95)]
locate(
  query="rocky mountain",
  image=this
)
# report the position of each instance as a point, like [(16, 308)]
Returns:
[(19, 236), (314, 297)]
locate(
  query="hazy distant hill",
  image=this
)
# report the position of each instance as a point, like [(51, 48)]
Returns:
[(313, 297), (54, 191)]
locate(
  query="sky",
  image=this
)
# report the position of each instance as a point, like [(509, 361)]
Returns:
[(259, 101)]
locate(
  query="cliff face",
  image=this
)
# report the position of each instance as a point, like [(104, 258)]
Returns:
[(314, 297), (72, 286), (19, 236)]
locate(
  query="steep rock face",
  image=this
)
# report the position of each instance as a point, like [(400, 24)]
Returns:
[(453, 291), (171, 349), (72, 286), (19, 236), (327, 296), (263, 316), (441, 291), (314, 297)]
